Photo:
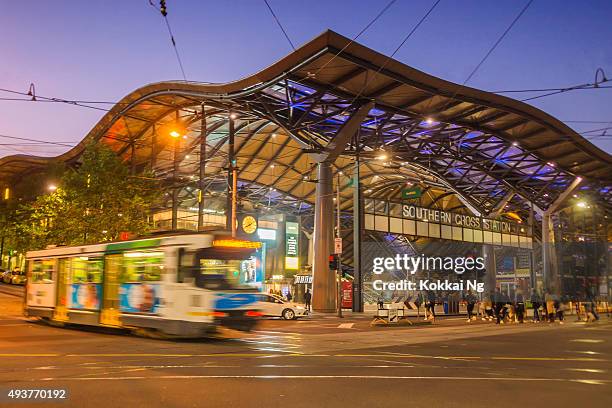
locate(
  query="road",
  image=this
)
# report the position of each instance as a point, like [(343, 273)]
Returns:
[(322, 362)]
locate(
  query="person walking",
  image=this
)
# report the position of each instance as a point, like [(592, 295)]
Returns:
[(307, 298), (431, 305), (498, 301), (471, 302), (519, 306), (289, 296), (550, 307), (536, 302)]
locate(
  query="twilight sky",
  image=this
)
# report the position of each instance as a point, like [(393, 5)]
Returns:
[(102, 50)]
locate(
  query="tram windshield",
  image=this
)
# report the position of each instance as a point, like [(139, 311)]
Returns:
[(214, 269)]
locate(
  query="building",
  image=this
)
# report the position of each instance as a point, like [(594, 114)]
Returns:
[(419, 164)]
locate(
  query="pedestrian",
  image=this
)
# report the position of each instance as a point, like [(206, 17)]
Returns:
[(431, 305), (550, 307), (562, 307), (418, 302), (307, 298), (519, 306), (500, 309), (380, 302), (289, 296), (471, 302), (488, 307), (536, 303)]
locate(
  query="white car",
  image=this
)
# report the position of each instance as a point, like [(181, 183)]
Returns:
[(275, 306)]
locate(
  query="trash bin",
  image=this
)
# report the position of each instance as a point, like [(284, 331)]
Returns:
[(445, 307)]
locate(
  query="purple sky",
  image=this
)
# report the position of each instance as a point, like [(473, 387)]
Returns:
[(102, 50)]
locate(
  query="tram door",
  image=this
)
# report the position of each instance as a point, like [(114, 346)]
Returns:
[(110, 302), (61, 310)]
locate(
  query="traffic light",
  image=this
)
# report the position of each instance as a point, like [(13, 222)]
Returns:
[(333, 262)]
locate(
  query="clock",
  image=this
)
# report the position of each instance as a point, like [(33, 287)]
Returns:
[(249, 224)]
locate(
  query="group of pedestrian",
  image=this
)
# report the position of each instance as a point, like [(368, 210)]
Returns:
[(501, 309)]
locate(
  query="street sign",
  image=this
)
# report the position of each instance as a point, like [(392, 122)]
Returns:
[(412, 192), (337, 245)]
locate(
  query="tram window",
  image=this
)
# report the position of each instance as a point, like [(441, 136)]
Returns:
[(42, 271), (139, 266), (218, 273), (185, 269), (86, 270)]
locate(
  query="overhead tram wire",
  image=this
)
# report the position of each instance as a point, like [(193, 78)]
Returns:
[(280, 25), (164, 12), (488, 54), (406, 38), (383, 11)]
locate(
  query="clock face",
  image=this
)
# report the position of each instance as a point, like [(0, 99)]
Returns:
[(249, 224)]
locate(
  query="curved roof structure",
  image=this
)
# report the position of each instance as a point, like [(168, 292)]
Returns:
[(470, 147)]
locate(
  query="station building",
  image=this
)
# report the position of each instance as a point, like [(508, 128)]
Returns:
[(336, 140)]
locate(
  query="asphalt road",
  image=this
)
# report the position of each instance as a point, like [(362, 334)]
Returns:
[(322, 362)]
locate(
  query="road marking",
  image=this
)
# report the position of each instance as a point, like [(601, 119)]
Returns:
[(30, 355), (586, 370), (293, 353), (323, 377), (346, 325), (548, 358), (587, 341)]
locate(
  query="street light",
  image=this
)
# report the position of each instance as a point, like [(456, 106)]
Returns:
[(52, 187), (175, 134)]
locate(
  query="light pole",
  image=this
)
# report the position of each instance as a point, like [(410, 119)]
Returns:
[(339, 237), (176, 135)]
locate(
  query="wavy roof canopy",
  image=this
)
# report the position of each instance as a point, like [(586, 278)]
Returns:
[(477, 145)]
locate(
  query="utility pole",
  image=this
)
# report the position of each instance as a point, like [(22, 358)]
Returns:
[(338, 236), (201, 184), (232, 177)]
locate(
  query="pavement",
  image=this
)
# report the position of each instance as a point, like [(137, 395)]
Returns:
[(321, 362)]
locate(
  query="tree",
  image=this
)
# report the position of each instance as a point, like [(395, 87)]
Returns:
[(93, 203)]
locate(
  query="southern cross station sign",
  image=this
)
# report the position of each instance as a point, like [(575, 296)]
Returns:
[(407, 219)]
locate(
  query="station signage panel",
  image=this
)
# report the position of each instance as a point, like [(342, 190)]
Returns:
[(408, 219), (292, 231)]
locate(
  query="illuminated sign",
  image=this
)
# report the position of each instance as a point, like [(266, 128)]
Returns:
[(267, 234), (291, 262), (292, 231), (407, 219), (302, 279), (235, 243)]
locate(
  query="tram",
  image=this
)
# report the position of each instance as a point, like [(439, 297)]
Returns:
[(183, 285)]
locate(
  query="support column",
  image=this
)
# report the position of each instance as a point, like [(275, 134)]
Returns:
[(490, 278), (175, 187), (324, 281), (488, 250), (230, 174), (357, 234), (201, 184), (550, 268)]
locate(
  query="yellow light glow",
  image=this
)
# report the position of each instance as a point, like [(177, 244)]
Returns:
[(174, 133), (291, 262), (235, 243), (7, 193), (581, 204)]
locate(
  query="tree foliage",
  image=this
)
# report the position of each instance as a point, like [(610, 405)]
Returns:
[(92, 203)]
